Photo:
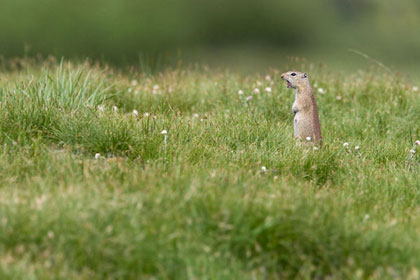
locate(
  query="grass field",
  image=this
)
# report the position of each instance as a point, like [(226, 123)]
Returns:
[(92, 191)]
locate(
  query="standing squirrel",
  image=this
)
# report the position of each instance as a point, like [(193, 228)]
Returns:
[(306, 121)]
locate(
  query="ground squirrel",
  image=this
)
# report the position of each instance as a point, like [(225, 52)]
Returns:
[(306, 122)]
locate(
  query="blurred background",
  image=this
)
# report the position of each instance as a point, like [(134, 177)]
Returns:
[(241, 34)]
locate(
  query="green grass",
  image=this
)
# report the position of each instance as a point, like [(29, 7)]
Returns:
[(201, 207)]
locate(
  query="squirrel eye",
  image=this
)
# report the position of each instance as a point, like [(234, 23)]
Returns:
[(293, 74)]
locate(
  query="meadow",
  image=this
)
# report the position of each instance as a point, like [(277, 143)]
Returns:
[(193, 173)]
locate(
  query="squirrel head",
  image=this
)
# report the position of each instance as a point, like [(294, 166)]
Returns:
[(296, 79)]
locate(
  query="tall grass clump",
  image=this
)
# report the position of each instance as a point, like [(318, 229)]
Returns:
[(35, 103)]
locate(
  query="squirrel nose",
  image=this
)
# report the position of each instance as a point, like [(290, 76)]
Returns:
[(282, 76)]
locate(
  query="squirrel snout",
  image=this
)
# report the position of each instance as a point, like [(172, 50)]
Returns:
[(282, 76)]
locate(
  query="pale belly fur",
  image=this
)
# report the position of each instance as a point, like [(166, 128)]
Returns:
[(302, 126)]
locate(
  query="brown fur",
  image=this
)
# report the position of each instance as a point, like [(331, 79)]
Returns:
[(306, 121)]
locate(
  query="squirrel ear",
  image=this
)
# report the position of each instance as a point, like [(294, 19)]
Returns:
[(305, 75)]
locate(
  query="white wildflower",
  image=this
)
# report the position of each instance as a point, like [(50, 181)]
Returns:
[(240, 92), (146, 115), (130, 90), (114, 108), (321, 90), (268, 89), (357, 148), (415, 88), (249, 98), (267, 78), (135, 112), (50, 234), (417, 142), (195, 115), (155, 89), (413, 151), (97, 155), (308, 138), (338, 97), (345, 144), (264, 169), (256, 90), (316, 148), (165, 141), (367, 216), (101, 108), (134, 83)]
